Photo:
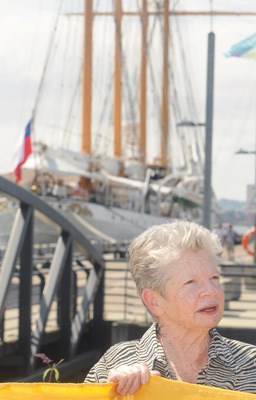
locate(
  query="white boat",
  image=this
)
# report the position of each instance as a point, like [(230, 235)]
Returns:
[(137, 149)]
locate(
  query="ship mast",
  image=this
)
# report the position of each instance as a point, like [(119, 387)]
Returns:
[(143, 84), (87, 74), (87, 78), (118, 81), (165, 86)]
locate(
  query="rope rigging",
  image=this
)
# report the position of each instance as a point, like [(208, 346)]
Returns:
[(46, 63), (191, 105), (103, 82), (130, 99)]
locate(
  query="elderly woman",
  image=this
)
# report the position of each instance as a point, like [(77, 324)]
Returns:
[(175, 268)]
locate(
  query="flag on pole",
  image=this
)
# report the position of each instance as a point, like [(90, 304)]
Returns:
[(244, 48), (23, 150)]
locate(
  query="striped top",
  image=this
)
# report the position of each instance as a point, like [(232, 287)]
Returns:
[(231, 364)]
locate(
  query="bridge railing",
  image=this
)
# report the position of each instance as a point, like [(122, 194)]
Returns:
[(20, 267)]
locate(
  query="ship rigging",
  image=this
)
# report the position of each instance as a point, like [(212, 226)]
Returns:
[(135, 84)]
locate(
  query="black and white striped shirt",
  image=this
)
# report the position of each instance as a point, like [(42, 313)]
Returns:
[(231, 364)]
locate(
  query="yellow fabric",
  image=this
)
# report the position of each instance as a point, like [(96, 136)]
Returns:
[(164, 389), (157, 388), (57, 391)]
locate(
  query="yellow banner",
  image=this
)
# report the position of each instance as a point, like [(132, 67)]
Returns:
[(157, 388)]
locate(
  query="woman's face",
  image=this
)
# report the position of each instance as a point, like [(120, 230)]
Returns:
[(193, 297)]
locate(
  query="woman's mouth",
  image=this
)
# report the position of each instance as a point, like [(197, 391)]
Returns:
[(208, 310)]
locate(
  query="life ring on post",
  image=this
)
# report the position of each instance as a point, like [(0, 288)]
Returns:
[(246, 239)]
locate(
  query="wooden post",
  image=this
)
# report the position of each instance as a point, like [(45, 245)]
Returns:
[(87, 78), (143, 85), (165, 86), (118, 82)]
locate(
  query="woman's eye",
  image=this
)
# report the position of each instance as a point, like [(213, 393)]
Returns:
[(216, 277), (189, 282)]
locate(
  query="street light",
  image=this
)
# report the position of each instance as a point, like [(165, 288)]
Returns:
[(243, 151)]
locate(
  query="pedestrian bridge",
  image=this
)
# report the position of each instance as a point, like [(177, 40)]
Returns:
[(66, 289), (38, 297)]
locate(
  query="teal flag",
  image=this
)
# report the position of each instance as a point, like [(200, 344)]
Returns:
[(246, 48)]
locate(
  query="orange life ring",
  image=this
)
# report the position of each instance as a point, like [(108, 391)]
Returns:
[(246, 239)]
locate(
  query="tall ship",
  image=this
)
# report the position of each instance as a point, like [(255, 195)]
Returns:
[(115, 120)]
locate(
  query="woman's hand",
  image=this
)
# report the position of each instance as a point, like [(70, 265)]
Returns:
[(130, 378)]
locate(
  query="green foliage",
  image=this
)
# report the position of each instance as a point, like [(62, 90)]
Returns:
[(52, 370)]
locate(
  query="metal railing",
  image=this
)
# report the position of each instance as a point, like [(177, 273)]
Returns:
[(42, 281)]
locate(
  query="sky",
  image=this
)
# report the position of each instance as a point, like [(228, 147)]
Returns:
[(24, 36)]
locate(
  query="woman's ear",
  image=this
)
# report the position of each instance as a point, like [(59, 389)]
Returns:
[(152, 300)]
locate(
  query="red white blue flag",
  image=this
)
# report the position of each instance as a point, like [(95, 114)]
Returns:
[(23, 150)]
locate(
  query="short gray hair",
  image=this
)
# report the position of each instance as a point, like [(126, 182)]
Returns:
[(161, 245)]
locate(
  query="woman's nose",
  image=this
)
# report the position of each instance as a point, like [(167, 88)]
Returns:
[(207, 287)]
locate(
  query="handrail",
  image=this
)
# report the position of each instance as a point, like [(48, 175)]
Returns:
[(27, 197), (58, 283)]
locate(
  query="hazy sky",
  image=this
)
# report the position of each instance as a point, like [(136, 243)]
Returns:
[(24, 35)]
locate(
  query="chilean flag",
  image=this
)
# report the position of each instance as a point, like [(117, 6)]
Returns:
[(23, 150)]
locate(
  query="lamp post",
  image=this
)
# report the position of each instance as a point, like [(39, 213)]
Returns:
[(242, 151)]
